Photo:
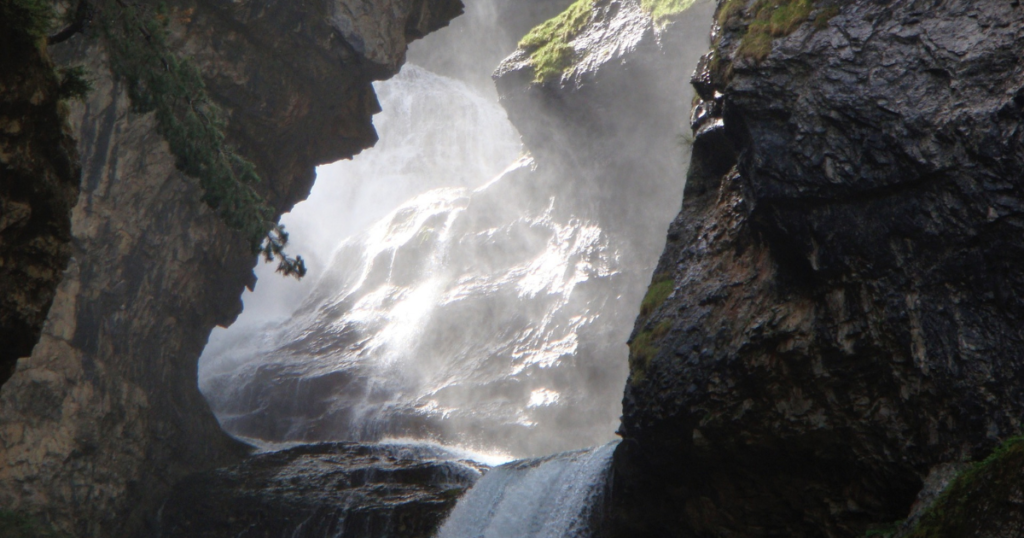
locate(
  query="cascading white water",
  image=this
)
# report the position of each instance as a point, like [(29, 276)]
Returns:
[(458, 318), (448, 300), (555, 497), (434, 131)]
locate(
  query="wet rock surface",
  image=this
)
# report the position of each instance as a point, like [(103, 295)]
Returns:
[(105, 415), (843, 312), (345, 490)]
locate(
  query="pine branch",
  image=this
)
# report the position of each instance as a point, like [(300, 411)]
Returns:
[(172, 87)]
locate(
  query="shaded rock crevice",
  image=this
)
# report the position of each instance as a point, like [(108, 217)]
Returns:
[(39, 174)]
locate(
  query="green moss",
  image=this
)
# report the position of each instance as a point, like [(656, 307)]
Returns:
[(825, 15), (641, 351), (644, 348), (19, 525), (959, 509), (756, 45), (549, 44), (663, 10), (772, 18), (661, 287), (730, 10)]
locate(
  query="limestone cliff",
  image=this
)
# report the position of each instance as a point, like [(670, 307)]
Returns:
[(837, 309), (105, 415)]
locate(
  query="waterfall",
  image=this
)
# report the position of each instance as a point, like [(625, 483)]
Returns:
[(459, 292), (460, 317), (556, 497), (435, 131)]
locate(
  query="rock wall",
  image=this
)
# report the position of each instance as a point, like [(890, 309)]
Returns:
[(343, 490), (841, 311), (105, 415), (39, 175)]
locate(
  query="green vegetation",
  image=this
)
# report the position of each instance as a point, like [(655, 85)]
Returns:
[(19, 525), (825, 15), (663, 10), (772, 18), (170, 85), (74, 83), (25, 23), (549, 44), (27, 19), (644, 348), (731, 9), (960, 509), (661, 287)]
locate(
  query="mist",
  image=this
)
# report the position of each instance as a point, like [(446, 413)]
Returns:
[(460, 290)]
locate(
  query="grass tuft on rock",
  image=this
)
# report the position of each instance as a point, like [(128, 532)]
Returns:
[(730, 10), (968, 503), (644, 348), (664, 10), (551, 53), (772, 18), (661, 287)]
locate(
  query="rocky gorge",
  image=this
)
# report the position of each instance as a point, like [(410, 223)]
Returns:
[(837, 316), (830, 335), (105, 415)]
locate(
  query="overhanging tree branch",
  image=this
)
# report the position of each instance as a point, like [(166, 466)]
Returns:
[(83, 16)]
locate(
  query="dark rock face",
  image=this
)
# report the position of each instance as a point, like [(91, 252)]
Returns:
[(345, 490), (845, 312), (105, 415), (985, 499), (39, 175)]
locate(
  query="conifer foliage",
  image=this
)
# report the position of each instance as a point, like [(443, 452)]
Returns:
[(170, 85)]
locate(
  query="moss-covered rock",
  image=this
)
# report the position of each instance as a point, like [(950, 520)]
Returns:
[(985, 500), (550, 45), (664, 10)]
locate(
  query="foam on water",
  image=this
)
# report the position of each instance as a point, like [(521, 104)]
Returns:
[(555, 497)]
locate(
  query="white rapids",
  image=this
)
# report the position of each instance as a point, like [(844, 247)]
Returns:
[(555, 497)]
